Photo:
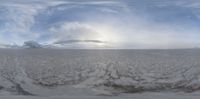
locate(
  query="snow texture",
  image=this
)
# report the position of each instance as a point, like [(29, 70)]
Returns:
[(87, 73)]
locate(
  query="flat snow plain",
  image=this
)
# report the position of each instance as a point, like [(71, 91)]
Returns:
[(83, 74), (125, 96)]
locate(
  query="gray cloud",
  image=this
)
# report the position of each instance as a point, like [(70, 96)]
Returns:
[(78, 41)]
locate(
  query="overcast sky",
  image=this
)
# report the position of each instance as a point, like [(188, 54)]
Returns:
[(102, 23)]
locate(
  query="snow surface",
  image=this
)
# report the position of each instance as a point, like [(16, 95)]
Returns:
[(124, 96), (97, 74)]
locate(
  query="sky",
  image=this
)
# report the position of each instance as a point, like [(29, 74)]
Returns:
[(134, 24)]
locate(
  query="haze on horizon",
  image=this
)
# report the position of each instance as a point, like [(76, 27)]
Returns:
[(102, 23)]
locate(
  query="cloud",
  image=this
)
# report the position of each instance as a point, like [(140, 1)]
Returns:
[(21, 20), (79, 41), (74, 30), (156, 35), (88, 34), (117, 23)]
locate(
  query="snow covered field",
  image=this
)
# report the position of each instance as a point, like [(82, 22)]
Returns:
[(125, 96), (97, 74)]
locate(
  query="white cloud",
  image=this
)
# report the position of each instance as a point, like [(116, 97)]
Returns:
[(126, 28), (88, 34), (20, 18), (20, 15), (74, 31)]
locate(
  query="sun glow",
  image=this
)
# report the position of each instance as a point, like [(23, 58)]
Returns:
[(106, 35)]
